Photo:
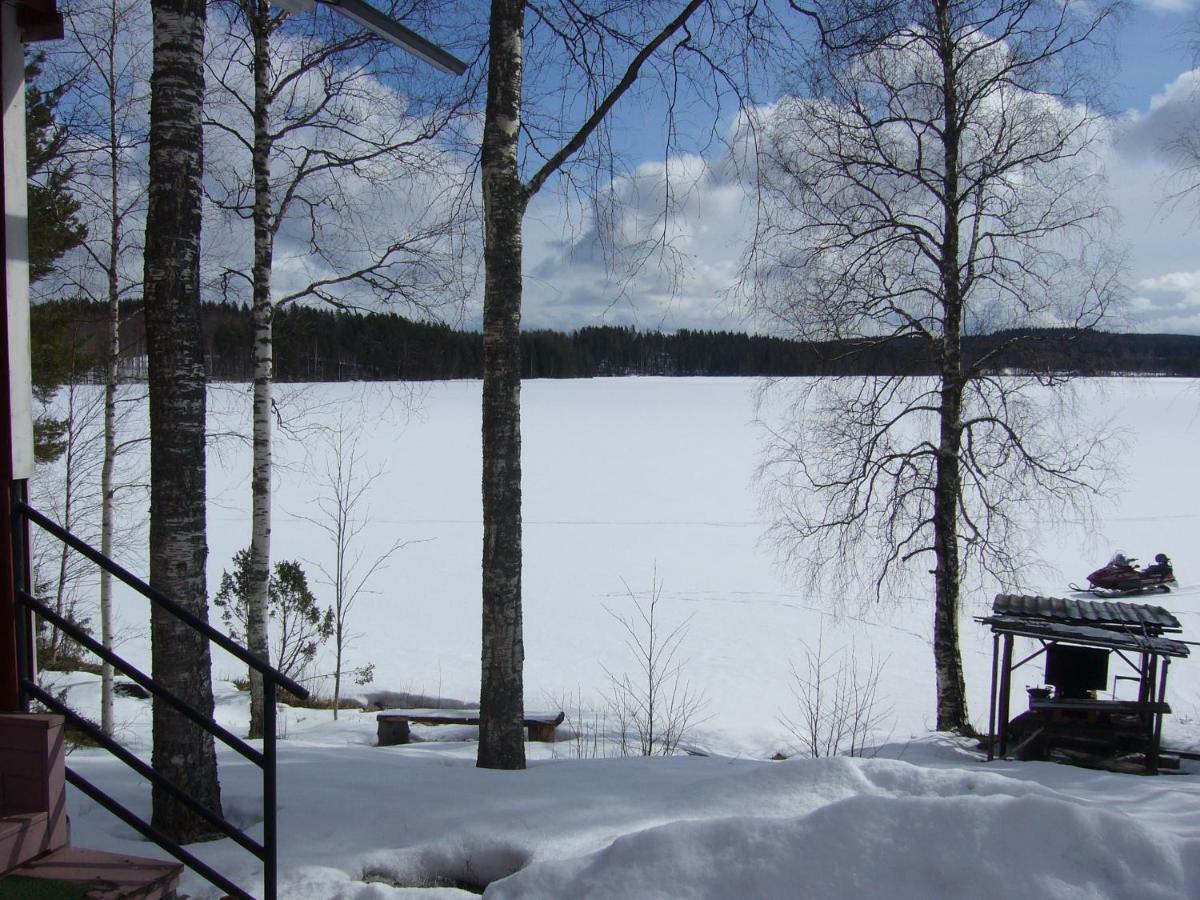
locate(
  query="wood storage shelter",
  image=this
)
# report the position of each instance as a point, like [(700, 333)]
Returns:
[(1078, 639)]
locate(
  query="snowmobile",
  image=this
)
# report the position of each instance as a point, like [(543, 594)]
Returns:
[(1121, 577)]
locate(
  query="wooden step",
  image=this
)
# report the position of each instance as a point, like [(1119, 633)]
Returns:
[(26, 836), (109, 876), (33, 798)]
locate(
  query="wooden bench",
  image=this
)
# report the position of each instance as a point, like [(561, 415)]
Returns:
[(393, 723)]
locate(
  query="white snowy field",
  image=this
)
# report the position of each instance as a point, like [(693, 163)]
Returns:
[(923, 819), (626, 478)]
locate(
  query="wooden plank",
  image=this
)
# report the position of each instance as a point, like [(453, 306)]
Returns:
[(393, 727), (448, 719), (1131, 707), (460, 717)]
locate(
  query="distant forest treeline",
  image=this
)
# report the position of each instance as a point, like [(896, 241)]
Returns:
[(315, 344)]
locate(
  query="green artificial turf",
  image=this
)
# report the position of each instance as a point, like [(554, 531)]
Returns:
[(13, 887)]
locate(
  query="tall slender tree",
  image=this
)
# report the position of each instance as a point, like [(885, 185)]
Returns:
[(342, 512), (107, 70), (936, 179), (607, 46), (182, 752), (310, 140)]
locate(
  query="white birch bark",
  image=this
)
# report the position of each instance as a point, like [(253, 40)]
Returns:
[(505, 198), (259, 569), (111, 373), (108, 79), (501, 695), (178, 548)]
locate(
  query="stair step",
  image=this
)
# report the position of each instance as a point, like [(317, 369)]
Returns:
[(109, 876), (25, 836)]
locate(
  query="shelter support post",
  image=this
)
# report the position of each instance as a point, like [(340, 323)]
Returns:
[(1005, 692), (991, 750), (1156, 740), (1145, 694)]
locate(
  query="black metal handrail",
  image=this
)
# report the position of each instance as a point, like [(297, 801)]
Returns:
[(267, 851)]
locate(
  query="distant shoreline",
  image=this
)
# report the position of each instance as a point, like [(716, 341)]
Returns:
[(324, 345)]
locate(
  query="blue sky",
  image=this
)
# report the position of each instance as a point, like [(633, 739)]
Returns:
[(1153, 47), (570, 282), (1151, 96)]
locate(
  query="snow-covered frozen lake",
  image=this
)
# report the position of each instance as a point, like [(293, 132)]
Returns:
[(626, 478), (630, 479)]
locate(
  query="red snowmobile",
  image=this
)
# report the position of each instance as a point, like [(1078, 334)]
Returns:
[(1121, 577)]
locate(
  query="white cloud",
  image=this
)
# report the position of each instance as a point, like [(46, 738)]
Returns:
[(1188, 282), (1173, 6), (707, 218), (1172, 116), (569, 284), (660, 250), (1168, 302), (1159, 223)]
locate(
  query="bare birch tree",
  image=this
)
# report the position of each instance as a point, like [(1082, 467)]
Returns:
[(594, 53), (65, 482), (936, 179), (343, 514), (656, 708), (183, 753), (108, 74), (310, 136)]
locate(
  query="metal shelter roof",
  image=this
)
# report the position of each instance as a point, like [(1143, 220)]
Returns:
[(1142, 617), (1087, 635)]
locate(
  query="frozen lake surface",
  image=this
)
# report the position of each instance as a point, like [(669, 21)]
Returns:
[(631, 479), (626, 480)]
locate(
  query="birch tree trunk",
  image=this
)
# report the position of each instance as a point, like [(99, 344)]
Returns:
[(259, 569), (182, 752), (111, 372), (70, 480), (505, 198), (302, 155), (947, 656), (501, 697)]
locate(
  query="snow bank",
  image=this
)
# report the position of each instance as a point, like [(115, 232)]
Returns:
[(885, 847), (925, 818)]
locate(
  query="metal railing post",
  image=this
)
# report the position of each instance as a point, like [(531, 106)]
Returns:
[(270, 826), (22, 516), (24, 624)]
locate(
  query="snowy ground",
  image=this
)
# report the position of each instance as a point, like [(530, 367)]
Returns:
[(626, 478), (924, 818)]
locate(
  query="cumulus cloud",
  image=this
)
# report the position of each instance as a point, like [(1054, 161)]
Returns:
[(660, 248), (1170, 118), (701, 209), (1167, 302), (1148, 185)]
